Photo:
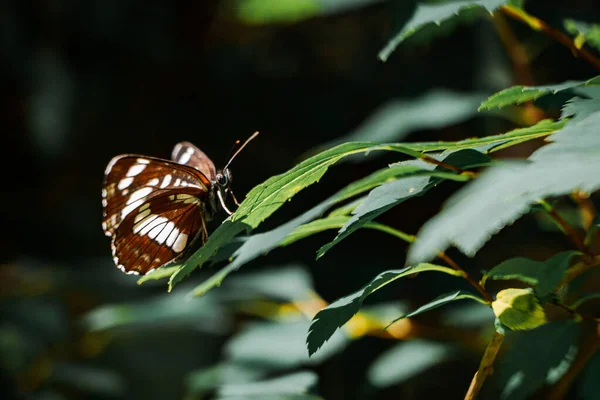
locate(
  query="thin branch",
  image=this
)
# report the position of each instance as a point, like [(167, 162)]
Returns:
[(450, 167), (564, 226), (541, 26), (468, 277), (485, 367)]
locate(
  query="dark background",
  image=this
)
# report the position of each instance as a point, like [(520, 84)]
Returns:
[(83, 81)]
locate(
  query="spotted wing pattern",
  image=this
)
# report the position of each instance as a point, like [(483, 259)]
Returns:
[(188, 154), (153, 209)]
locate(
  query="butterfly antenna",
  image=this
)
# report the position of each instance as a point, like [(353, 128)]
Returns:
[(255, 134)]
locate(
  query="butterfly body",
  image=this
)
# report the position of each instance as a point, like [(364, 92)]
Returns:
[(155, 209)]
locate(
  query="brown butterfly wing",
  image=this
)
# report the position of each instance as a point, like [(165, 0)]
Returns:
[(153, 209), (187, 154), (130, 180), (159, 231)]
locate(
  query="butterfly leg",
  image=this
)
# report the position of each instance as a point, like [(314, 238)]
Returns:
[(204, 231), (220, 196), (233, 197)]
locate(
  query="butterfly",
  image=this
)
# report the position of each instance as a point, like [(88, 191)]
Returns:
[(155, 209)]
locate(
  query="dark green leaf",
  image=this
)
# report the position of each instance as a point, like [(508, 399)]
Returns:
[(280, 345), (503, 193), (427, 14), (396, 119), (332, 317), (521, 94), (406, 360), (441, 301), (554, 346), (543, 275), (391, 194), (590, 384), (294, 384)]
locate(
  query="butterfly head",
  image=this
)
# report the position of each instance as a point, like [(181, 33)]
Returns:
[(223, 179)]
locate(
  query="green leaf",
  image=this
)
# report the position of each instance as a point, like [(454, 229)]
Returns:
[(440, 301), (279, 345), (285, 282), (391, 194), (154, 312), (553, 345), (590, 384), (505, 192), (427, 14), (494, 142), (584, 33), (521, 94), (518, 309), (332, 317), (266, 198), (582, 108), (396, 119), (220, 237), (294, 384), (259, 12), (543, 275), (406, 360), (161, 273)]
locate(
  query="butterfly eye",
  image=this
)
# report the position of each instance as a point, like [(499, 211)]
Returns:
[(222, 179)]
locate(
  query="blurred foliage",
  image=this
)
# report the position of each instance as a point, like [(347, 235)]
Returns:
[(84, 81)]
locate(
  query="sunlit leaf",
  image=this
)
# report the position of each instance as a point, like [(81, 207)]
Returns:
[(426, 14), (494, 142), (521, 94), (518, 309), (267, 197), (406, 360), (543, 275), (554, 346), (262, 12), (332, 317), (505, 192), (584, 33)]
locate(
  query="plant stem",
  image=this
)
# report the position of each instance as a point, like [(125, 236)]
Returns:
[(468, 277), (539, 25), (450, 167), (564, 226), (485, 367)]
